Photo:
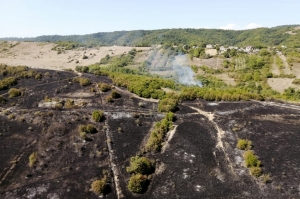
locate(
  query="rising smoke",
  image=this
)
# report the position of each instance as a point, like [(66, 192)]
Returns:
[(170, 65), (184, 73)]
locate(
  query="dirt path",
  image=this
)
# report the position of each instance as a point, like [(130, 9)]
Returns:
[(286, 68), (170, 135), (113, 165), (275, 69), (220, 134)]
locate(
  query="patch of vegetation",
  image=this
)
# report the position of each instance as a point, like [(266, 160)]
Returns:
[(104, 87), (114, 94), (100, 186), (32, 159), (157, 136), (14, 92), (167, 104), (244, 144), (296, 81), (83, 81), (89, 128), (98, 115), (140, 165), (137, 183)]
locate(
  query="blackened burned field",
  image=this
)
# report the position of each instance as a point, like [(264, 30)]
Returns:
[(200, 158)]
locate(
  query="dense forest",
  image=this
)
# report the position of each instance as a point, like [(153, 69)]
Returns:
[(260, 37)]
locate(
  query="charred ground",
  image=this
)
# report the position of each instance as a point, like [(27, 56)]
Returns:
[(200, 159)]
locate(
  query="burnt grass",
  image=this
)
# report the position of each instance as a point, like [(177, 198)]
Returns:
[(193, 165)]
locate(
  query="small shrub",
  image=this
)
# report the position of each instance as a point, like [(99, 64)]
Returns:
[(14, 92), (88, 128), (251, 160), (2, 100), (109, 99), (137, 183), (255, 171), (69, 103), (99, 186), (83, 81), (85, 57), (32, 159), (83, 135), (140, 165), (114, 94), (98, 116), (11, 116), (38, 76), (266, 178), (244, 144), (104, 87)]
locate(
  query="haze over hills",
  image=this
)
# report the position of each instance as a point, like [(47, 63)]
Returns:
[(261, 37)]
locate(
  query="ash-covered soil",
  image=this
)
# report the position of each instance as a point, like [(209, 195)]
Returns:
[(199, 160)]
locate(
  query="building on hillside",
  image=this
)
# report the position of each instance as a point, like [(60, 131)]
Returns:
[(209, 46)]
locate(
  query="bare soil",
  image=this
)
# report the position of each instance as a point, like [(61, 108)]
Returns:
[(40, 55)]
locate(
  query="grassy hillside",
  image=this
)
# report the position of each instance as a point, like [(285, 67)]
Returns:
[(255, 37)]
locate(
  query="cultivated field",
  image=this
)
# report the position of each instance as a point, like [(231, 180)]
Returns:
[(40, 55)]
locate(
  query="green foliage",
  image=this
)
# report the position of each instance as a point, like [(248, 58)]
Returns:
[(66, 45), (255, 171), (137, 183), (244, 144), (2, 100), (89, 128), (208, 70), (251, 160), (14, 92), (82, 69), (296, 81), (141, 165), (83, 81), (114, 94), (155, 140), (98, 115), (211, 81), (99, 186), (188, 38), (7, 82), (167, 104), (104, 87), (32, 159)]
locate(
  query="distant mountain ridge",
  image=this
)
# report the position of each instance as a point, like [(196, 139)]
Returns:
[(260, 37)]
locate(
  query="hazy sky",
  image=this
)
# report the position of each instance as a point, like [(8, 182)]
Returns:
[(29, 18)]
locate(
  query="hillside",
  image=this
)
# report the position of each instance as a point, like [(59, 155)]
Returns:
[(281, 35), (53, 145)]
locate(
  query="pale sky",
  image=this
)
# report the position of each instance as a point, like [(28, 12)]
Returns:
[(30, 18)]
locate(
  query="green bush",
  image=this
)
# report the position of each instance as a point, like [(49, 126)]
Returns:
[(296, 81), (255, 171), (244, 144), (83, 81), (140, 165), (114, 94), (104, 87), (167, 104), (14, 92), (32, 159), (2, 100), (89, 128), (137, 183), (98, 115), (251, 160), (99, 186)]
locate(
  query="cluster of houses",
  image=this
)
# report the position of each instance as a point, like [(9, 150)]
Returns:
[(223, 49)]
